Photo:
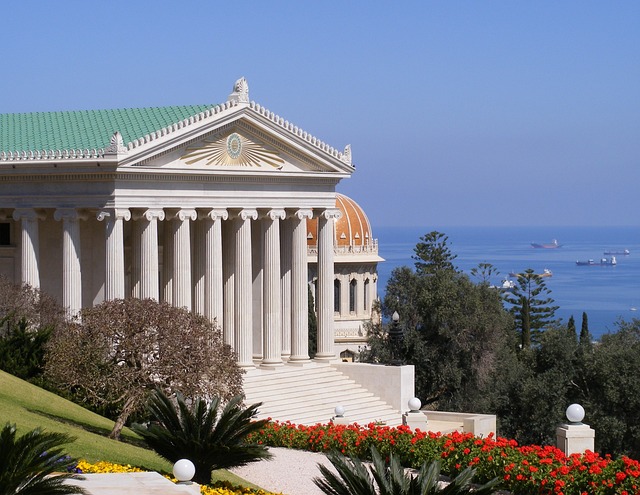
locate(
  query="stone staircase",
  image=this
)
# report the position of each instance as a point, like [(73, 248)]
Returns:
[(309, 394)]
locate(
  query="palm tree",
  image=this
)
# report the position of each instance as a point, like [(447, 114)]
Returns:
[(354, 478), (210, 436), (33, 464)]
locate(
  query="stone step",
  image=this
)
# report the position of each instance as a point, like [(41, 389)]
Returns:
[(309, 395)]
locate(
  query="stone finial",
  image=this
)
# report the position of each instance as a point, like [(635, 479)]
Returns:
[(346, 154), (240, 91), (116, 145)]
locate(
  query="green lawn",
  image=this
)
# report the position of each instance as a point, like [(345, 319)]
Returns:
[(29, 407)]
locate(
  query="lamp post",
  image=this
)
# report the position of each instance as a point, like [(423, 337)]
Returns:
[(395, 339)]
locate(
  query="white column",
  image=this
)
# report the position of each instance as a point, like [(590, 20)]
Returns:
[(228, 281), (71, 274), (167, 262), (181, 283), (136, 255), (243, 311), (211, 264), (114, 251), (286, 245), (326, 330), (149, 283), (272, 307), (29, 245), (299, 288)]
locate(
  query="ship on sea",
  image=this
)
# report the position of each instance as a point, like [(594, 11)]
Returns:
[(553, 245), (622, 252), (603, 262)]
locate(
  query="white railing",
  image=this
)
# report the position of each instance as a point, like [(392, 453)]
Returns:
[(371, 248)]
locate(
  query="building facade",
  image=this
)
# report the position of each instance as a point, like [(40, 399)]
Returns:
[(355, 284), (203, 206)]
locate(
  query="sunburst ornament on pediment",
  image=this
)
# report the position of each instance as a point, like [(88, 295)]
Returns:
[(233, 150)]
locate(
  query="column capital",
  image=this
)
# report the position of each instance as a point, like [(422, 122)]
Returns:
[(181, 214), (301, 214), (150, 214), (331, 214), (72, 214), (215, 214), (114, 213), (274, 214), (245, 214), (27, 214)]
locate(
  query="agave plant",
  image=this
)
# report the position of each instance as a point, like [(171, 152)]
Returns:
[(355, 478), (209, 435), (34, 464)]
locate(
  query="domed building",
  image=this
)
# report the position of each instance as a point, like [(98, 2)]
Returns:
[(355, 274)]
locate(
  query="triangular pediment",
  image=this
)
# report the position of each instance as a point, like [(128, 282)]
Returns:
[(245, 143)]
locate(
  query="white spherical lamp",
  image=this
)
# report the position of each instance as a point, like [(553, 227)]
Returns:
[(184, 470), (339, 410), (415, 404), (575, 413)]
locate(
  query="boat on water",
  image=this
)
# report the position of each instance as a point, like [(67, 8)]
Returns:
[(507, 285), (545, 273), (623, 252), (603, 262), (552, 245)]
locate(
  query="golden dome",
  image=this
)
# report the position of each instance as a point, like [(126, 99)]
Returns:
[(352, 229)]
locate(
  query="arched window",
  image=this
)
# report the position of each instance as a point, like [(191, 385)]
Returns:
[(353, 294), (367, 295), (336, 295)]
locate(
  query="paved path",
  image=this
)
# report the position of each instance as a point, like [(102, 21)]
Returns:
[(290, 472)]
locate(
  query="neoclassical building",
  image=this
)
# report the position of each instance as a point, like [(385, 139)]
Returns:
[(204, 206)]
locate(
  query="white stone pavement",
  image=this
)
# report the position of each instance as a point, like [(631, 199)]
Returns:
[(133, 484)]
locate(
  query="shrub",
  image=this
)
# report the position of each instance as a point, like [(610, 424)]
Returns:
[(211, 436), (380, 478), (32, 463)]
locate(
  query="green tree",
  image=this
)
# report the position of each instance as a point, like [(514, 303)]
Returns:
[(585, 336), (571, 325), (531, 306), (547, 375), (352, 477), (453, 329), (484, 272), (211, 436), (122, 349), (432, 254), (612, 402), (35, 463), (22, 349)]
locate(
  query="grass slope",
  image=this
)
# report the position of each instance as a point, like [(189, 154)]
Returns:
[(31, 407)]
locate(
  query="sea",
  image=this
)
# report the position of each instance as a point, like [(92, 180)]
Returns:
[(606, 293)]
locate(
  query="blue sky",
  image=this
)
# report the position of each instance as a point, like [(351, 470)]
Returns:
[(498, 112)]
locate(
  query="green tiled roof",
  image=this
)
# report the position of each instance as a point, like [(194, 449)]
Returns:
[(88, 129)]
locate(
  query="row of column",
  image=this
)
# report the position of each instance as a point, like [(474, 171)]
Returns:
[(221, 278)]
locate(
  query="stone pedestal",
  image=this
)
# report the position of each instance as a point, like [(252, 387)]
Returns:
[(415, 420), (575, 438), (340, 420)]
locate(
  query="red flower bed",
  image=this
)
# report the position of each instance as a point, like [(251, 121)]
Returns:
[(528, 469)]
